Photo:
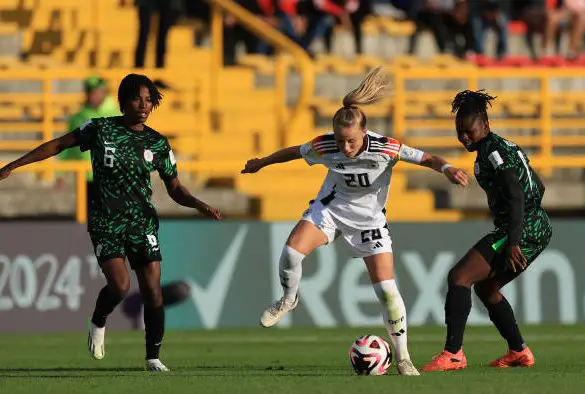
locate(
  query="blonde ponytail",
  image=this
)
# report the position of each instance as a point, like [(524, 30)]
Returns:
[(373, 88)]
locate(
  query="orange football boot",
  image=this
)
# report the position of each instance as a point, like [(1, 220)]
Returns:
[(447, 361), (525, 358)]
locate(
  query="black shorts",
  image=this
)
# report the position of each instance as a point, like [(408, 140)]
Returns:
[(139, 248), (491, 247)]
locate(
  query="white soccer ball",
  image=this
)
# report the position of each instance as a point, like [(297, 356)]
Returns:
[(370, 355)]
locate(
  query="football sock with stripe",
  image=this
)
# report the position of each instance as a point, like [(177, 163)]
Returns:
[(394, 314)]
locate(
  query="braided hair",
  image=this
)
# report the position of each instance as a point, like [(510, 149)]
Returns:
[(468, 102)]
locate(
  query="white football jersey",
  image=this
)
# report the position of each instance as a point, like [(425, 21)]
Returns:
[(355, 190)]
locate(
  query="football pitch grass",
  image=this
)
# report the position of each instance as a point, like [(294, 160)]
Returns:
[(307, 361)]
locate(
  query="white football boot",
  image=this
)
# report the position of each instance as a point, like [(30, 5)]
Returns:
[(276, 311), (406, 368), (96, 341), (156, 365)]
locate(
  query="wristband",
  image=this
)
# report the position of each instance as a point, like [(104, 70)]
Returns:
[(445, 166)]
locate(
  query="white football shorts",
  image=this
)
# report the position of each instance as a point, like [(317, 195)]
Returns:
[(363, 243)]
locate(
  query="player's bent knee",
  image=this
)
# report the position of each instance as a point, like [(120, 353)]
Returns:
[(482, 292), (487, 293), (304, 240), (458, 277), (453, 277), (122, 288), (119, 286)]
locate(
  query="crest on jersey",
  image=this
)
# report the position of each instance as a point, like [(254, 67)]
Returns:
[(476, 168), (148, 156), (172, 157)]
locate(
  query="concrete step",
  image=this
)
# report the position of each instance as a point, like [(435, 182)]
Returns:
[(44, 199)]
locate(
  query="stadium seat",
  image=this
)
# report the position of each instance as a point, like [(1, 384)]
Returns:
[(259, 63), (416, 109), (522, 109), (563, 108), (9, 5), (338, 65), (396, 28), (8, 29), (277, 187), (405, 61)]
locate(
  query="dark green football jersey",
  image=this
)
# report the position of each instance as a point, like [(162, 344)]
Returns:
[(122, 160), (496, 154)]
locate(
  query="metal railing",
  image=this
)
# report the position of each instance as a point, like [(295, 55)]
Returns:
[(287, 52), (546, 129)]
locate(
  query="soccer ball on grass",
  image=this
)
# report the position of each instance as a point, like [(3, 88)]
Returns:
[(370, 355)]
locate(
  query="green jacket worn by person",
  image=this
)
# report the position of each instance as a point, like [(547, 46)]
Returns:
[(99, 103)]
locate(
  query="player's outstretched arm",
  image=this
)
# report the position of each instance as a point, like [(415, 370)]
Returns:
[(455, 175), (182, 196), (42, 152), (281, 156)]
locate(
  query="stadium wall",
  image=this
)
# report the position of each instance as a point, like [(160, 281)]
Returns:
[(49, 277)]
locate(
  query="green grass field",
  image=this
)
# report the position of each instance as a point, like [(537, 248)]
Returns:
[(282, 361)]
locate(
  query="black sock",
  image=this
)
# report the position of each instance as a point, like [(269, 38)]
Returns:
[(457, 308), (502, 316), (154, 324), (104, 305)]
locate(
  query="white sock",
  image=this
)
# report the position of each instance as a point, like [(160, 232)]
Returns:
[(290, 270), (394, 314)]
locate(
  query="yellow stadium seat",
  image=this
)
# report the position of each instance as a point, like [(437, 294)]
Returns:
[(326, 107), (441, 109), (338, 65), (260, 63), (294, 186), (381, 109), (564, 108), (415, 108), (45, 18), (10, 113), (404, 61), (370, 26), (8, 29), (444, 60), (396, 28), (8, 61), (497, 109), (42, 61), (522, 109), (263, 99), (9, 4), (368, 62), (348, 68), (180, 39)]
